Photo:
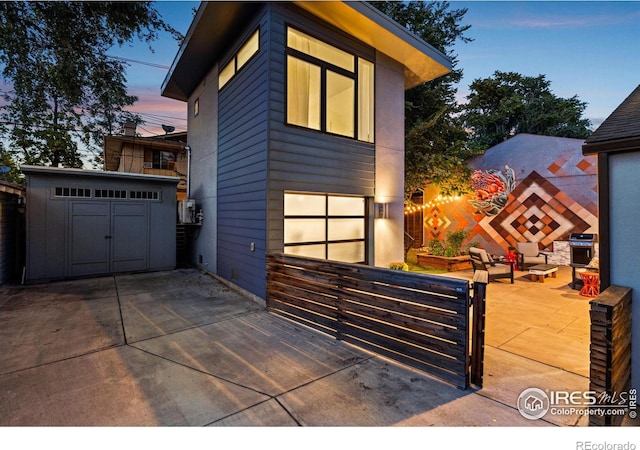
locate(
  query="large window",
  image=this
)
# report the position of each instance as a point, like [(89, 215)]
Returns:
[(325, 226), (328, 89)]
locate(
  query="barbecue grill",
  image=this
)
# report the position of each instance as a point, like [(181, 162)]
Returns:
[(581, 249)]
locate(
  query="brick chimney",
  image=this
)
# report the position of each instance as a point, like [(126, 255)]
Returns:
[(129, 128)]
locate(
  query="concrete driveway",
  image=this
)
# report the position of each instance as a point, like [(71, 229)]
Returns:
[(179, 348)]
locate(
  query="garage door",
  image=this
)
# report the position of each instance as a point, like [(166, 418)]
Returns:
[(108, 237)]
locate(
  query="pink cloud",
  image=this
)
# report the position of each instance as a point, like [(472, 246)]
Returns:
[(156, 110)]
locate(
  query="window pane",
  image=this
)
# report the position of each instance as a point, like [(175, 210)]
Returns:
[(303, 93), (346, 206), (343, 229), (310, 251), (318, 49), (304, 230), (351, 252), (304, 205), (340, 104), (249, 49), (365, 100), (225, 74)]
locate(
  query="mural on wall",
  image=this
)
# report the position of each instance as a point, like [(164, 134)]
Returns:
[(555, 195), (491, 189)]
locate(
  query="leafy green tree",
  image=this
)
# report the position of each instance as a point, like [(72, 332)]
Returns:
[(509, 103), (435, 147), (62, 88)]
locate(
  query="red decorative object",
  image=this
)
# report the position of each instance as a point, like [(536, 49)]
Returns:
[(512, 259), (591, 286)]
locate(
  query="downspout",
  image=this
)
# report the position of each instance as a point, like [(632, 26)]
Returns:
[(188, 149)]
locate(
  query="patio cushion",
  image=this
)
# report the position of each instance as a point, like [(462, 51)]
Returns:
[(499, 269), (528, 249), (534, 259)]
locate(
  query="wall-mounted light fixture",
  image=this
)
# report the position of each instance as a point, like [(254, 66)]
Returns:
[(381, 210)]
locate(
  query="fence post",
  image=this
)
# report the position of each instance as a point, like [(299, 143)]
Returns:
[(610, 350), (480, 281)]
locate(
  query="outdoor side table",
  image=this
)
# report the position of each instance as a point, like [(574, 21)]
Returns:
[(540, 271), (591, 282)]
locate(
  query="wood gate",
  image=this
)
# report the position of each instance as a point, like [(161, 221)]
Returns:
[(421, 320)]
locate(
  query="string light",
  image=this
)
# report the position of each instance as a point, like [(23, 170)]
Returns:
[(438, 201)]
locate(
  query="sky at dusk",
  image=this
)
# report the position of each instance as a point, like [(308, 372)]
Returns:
[(589, 49)]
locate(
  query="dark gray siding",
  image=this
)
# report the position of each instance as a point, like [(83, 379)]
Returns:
[(74, 236), (11, 222), (242, 167), (303, 160)]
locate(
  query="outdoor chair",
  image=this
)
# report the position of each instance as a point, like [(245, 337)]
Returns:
[(482, 261), (529, 255)]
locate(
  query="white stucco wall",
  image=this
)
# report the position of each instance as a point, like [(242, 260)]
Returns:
[(625, 246), (389, 184), (203, 140)]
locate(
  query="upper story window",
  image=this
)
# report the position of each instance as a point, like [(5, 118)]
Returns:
[(158, 159), (328, 89), (248, 49)]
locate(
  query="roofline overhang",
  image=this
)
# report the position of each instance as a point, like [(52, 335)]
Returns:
[(215, 23), (422, 61), (612, 146)]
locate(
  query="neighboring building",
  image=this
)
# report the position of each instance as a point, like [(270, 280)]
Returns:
[(163, 155), (296, 128), (616, 144), (11, 231), (87, 222), (528, 188)]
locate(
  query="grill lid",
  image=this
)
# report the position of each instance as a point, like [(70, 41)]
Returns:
[(582, 237)]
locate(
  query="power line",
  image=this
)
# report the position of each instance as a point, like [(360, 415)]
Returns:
[(144, 63)]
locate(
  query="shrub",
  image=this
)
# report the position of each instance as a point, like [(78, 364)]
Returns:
[(399, 266)]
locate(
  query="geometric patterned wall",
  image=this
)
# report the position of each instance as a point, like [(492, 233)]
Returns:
[(555, 195), (538, 212)]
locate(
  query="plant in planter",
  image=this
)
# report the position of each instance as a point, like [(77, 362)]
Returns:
[(436, 248), (446, 254), (454, 242)]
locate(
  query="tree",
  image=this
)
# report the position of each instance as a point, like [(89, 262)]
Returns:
[(435, 147), (509, 103), (63, 90)]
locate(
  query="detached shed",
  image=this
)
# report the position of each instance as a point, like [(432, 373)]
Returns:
[(86, 222)]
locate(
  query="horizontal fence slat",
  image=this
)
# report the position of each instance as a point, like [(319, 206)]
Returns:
[(415, 341), (290, 296), (436, 315), (317, 321), (422, 323), (452, 377)]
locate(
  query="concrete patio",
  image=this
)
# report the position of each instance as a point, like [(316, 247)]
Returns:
[(179, 348)]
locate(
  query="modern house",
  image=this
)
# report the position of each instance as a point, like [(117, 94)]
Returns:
[(616, 144), (164, 155), (296, 130)]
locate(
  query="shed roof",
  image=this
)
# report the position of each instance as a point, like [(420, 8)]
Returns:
[(215, 24), (620, 131), (63, 171)]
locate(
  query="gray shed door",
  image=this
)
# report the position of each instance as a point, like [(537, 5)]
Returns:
[(108, 237)]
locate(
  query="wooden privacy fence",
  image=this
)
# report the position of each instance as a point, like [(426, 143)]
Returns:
[(610, 372), (420, 320)]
